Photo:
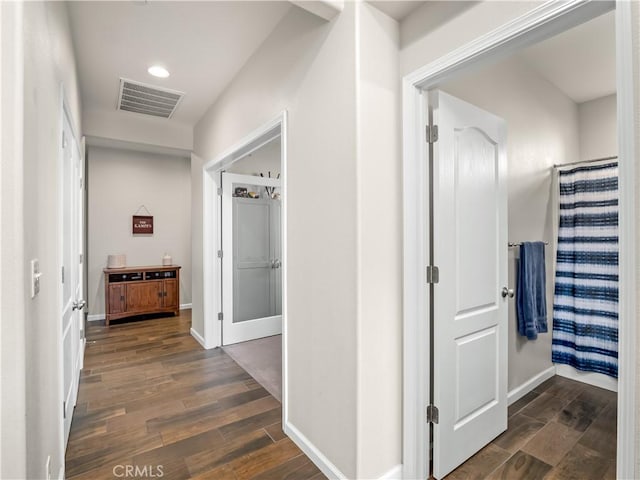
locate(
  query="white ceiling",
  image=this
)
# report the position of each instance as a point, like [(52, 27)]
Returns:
[(205, 44), (202, 44), (580, 62)]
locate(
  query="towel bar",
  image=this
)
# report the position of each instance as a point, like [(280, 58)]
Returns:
[(517, 244)]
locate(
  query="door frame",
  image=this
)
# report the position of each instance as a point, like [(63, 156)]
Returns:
[(542, 22), (211, 241)]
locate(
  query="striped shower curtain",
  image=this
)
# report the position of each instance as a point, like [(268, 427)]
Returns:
[(585, 306)]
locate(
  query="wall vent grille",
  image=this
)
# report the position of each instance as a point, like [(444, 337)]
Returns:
[(147, 99)]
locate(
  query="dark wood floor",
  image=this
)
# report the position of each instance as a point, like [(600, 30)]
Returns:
[(150, 397), (562, 430)]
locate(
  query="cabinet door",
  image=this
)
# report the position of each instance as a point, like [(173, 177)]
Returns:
[(117, 297), (144, 296), (171, 293)]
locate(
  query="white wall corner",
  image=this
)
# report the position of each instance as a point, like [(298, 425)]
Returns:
[(314, 454), (326, 9), (199, 338), (519, 392), (394, 474)]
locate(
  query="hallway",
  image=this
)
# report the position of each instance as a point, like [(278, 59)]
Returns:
[(152, 399)]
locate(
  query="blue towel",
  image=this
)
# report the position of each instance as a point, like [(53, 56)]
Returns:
[(531, 291)]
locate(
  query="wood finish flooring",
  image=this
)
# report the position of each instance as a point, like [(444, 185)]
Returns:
[(561, 430), (154, 404)]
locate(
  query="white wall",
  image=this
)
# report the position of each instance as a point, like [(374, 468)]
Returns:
[(118, 183), (542, 130), (307, 66), (132, 127), (13, 462), (438, 27), (379, 187), (48, 62), (264, 160), (598, 128)]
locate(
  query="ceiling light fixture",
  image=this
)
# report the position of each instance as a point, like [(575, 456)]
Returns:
[(158, 71)]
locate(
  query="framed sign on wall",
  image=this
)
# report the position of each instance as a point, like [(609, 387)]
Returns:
[(142, 224)]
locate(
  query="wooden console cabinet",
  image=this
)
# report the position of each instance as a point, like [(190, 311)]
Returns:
[(140, 290)]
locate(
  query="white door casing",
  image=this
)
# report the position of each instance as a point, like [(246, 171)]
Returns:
[(470, 249), (265, 264)]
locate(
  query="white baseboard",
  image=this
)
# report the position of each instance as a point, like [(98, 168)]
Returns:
[(394, 474), (311, 451), (199, 338), (519, 392), (592, 378), (186, 306)]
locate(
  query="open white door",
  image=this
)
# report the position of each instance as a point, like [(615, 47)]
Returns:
[(470, 250), (72, 273), (251, 259)]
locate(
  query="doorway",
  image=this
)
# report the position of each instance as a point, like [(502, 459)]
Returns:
[(245, 283), (418, 303)]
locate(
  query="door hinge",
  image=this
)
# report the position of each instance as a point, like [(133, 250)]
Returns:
[(432, 133), (63, 274), (219, 253), (64, 409), (432, 414), (220, 316), (220, 191), (80, 258), (433, 274), (64, 140)]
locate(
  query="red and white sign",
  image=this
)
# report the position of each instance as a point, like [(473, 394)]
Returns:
[(142, 224)]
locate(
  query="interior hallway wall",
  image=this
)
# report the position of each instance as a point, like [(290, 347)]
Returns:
[(598, 126), (379, 187), (118, 183), (542, 130), (307, 66), (48, 62)]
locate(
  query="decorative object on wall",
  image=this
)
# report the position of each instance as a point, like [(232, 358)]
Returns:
[(142, 224), (271, 190), (117, 261)]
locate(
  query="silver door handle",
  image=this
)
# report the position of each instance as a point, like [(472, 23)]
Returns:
[(277, 263), (507, 292), (79, 305)]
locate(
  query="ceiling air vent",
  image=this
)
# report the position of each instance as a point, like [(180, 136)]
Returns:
[(148, 99)]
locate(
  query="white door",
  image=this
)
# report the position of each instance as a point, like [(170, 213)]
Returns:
[(71, 275), (251, 259), (470, 249)]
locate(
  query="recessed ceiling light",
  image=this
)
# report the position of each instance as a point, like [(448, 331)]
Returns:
[(158, 71)]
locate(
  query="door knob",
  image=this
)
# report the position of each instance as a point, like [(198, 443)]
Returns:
[(79, 305), (507, 292), (277, 263)]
